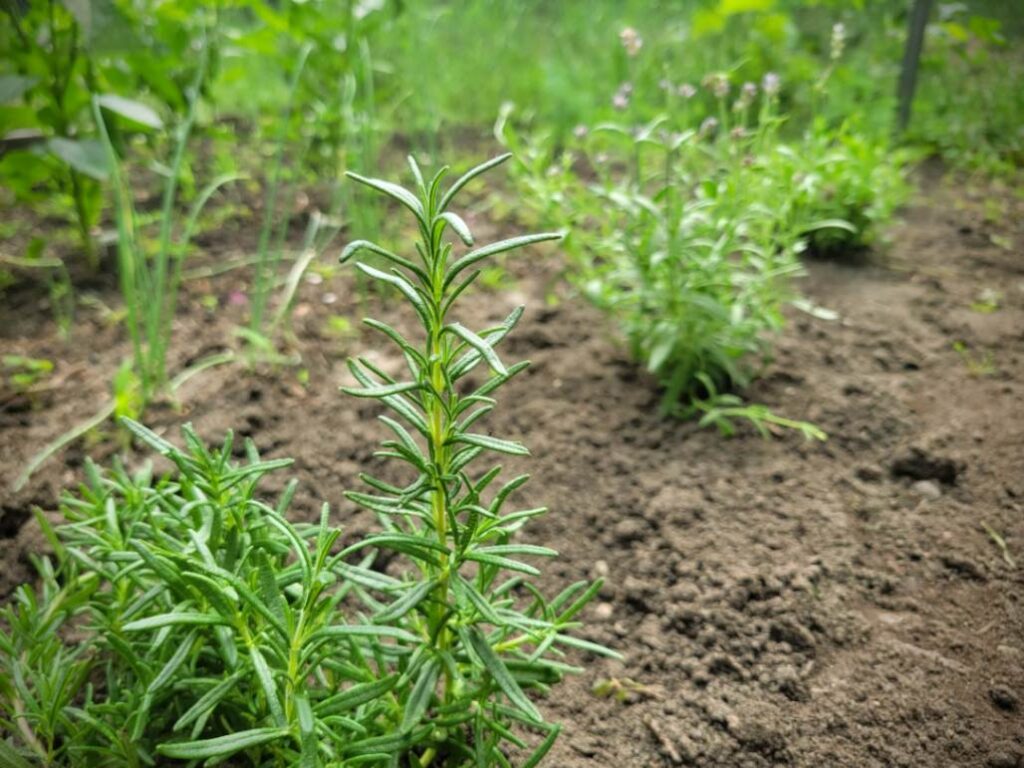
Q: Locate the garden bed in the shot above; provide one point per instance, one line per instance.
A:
(777, 601)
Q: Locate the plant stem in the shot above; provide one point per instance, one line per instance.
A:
(438, 434)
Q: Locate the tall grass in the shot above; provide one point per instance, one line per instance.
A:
(150, 282)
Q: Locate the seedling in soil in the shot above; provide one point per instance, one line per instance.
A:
(977, 364)
(25, 373)
(485, 631)
(186, 619)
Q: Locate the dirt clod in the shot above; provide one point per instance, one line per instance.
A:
(1004, 697)
(919, 464)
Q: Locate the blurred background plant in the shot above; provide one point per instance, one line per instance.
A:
(665, 129)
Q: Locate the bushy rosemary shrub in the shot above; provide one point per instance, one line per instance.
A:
(186, 619)
(681, 237)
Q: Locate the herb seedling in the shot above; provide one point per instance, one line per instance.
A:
(186, 619)
(486, 631)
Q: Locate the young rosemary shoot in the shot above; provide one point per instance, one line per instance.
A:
(486, 632)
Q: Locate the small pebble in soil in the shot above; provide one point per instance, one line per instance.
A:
(789, 631)
(927, 489)
(630, 529)
(869, 474)
(1004, 697)
(963, 567)
(1002, 759)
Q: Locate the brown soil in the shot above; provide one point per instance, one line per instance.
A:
(778, 602)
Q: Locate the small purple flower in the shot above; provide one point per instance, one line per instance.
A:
(747, 94)
(709, 126)
(621, 98)
(687, 91)
(718, 84)
(631, 41)
(237, 299)
(771, 84)
(838, 41)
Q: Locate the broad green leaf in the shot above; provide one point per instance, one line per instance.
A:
(221, 746)
(104, 27)
(86, 156)
(13, 86)
(135, 111)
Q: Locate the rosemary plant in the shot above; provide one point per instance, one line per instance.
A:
(486, 631)
(186, 619)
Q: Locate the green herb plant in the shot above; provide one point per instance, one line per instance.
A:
(185, 620)
(484, 641)
(25, 373)
(680, 242)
